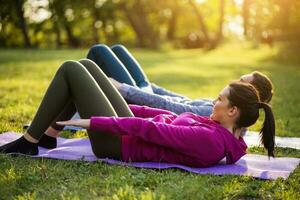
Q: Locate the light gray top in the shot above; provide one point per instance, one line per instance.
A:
(165, 99)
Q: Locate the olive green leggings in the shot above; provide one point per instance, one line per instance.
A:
(81, 86)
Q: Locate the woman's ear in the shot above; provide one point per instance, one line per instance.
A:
(233, 111)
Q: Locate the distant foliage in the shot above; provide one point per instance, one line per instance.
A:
(146, 23)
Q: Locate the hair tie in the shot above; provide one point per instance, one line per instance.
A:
(260, 105)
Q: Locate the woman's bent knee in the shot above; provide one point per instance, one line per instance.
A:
(67, 64)
(90, 65)
(70, 66)
(118, 47)
(86, 61)
(98, 48)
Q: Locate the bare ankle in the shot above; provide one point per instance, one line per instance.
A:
(29, 138)
(52, 132)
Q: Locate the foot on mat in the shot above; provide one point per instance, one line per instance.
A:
(47, 142)
(20, 145)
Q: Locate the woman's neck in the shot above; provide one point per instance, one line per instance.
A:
(232, 130)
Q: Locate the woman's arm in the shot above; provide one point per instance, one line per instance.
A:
(186, 139)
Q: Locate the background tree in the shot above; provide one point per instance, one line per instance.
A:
(172, 23)
(202, 23)
(146, 23)
(18, 4)
(245, 15)
(64, 12)
(136, 14)
(12, 17)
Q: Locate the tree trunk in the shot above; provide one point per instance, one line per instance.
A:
(257, 27)
(201, 21)
(22, 22)
(140, 37)
(95, 19)
(245, 14)
(285, 8)
(221, 21)
(144, 25)
(71, 38)
(138, 20)
(173, 21)
(58, 34)
(3, 34)
(95, 33)
(106, 35)
(58, 9)
(116, 34)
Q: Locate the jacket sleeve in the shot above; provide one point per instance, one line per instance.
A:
(145, 111)
(186, 139)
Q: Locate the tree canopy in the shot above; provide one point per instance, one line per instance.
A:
(145, 23)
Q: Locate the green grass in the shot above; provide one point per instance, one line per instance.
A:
(25, 74)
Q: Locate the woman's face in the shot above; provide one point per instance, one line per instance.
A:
(222, 107)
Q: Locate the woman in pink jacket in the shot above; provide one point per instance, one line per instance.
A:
(140, 133)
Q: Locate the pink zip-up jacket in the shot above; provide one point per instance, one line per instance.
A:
(162, 136)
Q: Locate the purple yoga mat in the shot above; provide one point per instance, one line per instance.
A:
(251, 165)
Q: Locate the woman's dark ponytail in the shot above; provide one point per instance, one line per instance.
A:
(245, 97)
(267, 132)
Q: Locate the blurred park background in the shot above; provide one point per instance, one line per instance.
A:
(170, 38)
(147, 23)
